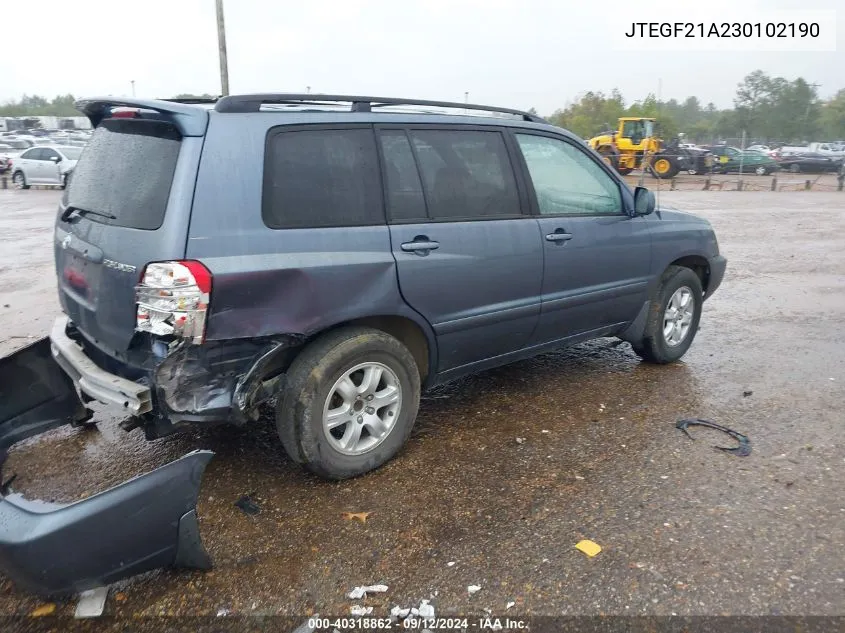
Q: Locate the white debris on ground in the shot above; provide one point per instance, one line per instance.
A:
(399, 613)
(425, 610)
(520, 440)
(361, 592)
(358, 610)
(222, 611)
(91, 603)
(473, 589)
(451, 563)
(509, 605)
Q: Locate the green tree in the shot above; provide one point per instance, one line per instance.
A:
(832, 117)
(34, 105)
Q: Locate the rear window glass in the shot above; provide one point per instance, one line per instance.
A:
(126, 171)
(321, 178)
(466, 174)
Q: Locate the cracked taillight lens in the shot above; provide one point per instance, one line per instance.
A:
(173, 300)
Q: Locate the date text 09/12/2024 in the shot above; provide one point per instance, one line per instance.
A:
(723, 30)
(420, 624)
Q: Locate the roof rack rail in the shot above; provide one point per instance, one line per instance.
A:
(253, 103)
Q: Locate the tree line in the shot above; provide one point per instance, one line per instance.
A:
(768, 109)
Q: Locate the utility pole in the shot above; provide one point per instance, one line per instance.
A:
(221, 44)
(133, 86)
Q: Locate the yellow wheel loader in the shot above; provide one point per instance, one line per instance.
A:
(634, 146)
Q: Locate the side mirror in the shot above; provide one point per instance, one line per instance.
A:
(644, 202)
(55, 159)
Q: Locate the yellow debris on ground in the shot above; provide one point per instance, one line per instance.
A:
(588, 547)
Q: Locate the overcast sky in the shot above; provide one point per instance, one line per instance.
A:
(536, 53)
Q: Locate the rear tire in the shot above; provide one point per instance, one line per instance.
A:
(669, 331)
(325, 401)
(795, 168)
(19, 180)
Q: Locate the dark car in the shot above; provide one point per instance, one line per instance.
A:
(810, 162)
(332, 261)
(732, 159)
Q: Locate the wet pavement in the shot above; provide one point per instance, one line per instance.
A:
(684, 528)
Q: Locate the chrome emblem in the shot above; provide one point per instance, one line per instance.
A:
(124, 268)
(66, 241)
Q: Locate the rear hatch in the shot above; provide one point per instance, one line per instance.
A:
(128, 204)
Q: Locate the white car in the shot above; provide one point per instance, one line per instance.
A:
(49, 165)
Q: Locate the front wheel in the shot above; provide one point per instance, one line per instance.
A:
(664, 167)
(349, 402)
(761, 171)
(673, 317)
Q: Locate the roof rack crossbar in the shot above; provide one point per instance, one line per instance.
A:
(253, 103)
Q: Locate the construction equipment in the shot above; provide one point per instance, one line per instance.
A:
(634, 145)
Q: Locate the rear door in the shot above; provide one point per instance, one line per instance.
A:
(597, 257)
(128, 204)
(28, 164)
(469, 260)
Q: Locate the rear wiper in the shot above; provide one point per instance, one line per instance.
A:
(70, 210)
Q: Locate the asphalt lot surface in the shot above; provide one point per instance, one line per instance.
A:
(684, 528)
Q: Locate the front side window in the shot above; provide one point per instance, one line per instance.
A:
(566, 180)
(467, 174)
(321, 178)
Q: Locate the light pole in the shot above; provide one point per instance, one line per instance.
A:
(133, 86)
(221, 44)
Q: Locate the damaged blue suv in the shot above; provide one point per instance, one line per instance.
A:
(331, 256)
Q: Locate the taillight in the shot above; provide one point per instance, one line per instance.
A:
(125, 114)
(173, 299)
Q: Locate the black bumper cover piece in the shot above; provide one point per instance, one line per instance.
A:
(142, 524)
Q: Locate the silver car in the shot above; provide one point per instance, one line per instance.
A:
(49, 165)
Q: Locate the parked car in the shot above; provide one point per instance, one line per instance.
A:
(733, 159)
(49, 165)
(4, 157)
(360, 257)
(811, 162)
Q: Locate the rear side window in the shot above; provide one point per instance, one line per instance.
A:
(127, 171)
(466, 174)
(321, 178)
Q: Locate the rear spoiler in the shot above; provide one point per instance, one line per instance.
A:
(191, 120)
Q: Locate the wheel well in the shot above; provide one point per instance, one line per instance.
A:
(406, 331)
(698, 265)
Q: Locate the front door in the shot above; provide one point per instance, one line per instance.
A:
(469, 260)
(49, 167)
(597, 256)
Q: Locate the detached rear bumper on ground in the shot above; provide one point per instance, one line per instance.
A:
(145, 523)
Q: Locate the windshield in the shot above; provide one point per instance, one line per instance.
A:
(126, 171)
(71, 153)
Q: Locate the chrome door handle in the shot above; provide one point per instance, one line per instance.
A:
(414, 247)
(559, 237)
